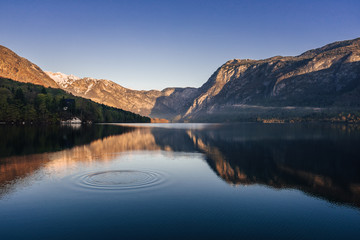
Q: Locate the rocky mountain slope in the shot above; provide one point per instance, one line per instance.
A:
(167, 103)
(321, 78)
(20, 69)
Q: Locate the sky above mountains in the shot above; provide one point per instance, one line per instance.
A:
(163, 43)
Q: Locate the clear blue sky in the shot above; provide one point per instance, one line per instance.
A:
(154, 44)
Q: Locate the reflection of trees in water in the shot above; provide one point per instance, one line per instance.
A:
(24, 140)
(28, 149)
(322, 161)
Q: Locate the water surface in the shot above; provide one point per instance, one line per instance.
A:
(180, 181)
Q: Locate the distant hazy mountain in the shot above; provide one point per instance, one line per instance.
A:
(20, 69)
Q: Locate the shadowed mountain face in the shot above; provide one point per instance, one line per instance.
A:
(20, 69)
(321, 160)
(318, 79)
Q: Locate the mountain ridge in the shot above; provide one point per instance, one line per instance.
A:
(112, 94)
(324, 74)
(322, 77)
(313, 82)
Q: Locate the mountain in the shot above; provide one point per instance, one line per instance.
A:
(327, 77)
(318, 84)
(320, 81)
(22, 70)
(24, 98)
(160, 104)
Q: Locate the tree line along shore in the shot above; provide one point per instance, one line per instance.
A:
(26, 103)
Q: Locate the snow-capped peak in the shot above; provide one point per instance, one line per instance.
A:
(61, 78)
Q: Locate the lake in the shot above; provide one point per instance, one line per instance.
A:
(180, 181)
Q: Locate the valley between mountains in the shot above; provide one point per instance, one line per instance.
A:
(322, 83)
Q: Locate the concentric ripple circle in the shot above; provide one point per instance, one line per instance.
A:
(121, 179)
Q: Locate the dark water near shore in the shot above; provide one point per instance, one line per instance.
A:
(180, 181)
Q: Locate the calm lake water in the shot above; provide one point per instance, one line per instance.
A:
(180, 181)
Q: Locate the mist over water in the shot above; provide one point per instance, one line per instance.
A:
(207, 181)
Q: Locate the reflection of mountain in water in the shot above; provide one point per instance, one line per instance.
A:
(327, 168)
(320, 160)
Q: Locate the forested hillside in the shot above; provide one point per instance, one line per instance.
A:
(25, 102)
